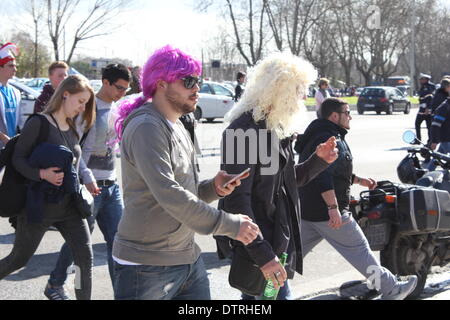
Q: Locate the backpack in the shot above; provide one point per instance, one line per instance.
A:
(13, 188)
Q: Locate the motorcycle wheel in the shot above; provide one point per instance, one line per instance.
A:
(402, 257)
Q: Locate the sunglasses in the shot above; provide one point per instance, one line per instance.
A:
(120, 88)
(190, 81)
(346, 112)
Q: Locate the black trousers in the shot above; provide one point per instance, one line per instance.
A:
(74, 230)
(419, 119)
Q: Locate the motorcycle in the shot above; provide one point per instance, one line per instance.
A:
(409, 222)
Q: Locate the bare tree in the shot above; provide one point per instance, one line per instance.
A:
(376, 50)
(302, 16)
(37, 12)
(93, 23)
(250, 42)
(339, 35)
(248, 20)
(276, 13)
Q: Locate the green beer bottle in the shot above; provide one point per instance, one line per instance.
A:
(270, 293)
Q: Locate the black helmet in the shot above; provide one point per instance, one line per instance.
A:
(406, 171)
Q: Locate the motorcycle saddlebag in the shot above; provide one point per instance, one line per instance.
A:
(424, 210)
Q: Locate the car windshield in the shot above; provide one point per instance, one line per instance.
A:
(205, 89)
(36, 83)
(371, 92)
(221, 90)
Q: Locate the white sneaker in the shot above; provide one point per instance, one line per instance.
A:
(401, 290)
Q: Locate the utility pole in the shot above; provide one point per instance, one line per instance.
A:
(412, 62)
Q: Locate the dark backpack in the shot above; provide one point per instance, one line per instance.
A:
(13, 188)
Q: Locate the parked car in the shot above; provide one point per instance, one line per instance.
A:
(29, 96)
(383, 99)
(37, 83)
(96, 85)
(404, 89)
(230, 85)
(214, 101)
(358, 91)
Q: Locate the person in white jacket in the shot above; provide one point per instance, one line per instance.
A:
(321, 94)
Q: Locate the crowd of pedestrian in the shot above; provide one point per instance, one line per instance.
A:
(149, 222)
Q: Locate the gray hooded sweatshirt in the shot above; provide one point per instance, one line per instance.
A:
(165, 204)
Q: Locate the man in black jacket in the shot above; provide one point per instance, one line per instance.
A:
(425, 98)
(259, 138)
(441, 95)
(440, 131)
(325, 201)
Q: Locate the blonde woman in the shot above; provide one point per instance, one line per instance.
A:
(270, 110)
(73, 96)
(322, 94)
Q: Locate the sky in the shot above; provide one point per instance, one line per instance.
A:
(145, 26)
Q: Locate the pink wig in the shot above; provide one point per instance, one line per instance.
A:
(167, 64)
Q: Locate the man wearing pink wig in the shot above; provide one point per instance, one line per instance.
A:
(165, 203)
(9, 96)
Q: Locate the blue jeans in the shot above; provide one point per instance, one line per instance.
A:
(444, 147)
(108, 207)
(283, 294)
(182, 282)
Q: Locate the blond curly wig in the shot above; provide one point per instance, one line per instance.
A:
(274, 92)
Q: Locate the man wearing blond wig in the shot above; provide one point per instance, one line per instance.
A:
(264, 120)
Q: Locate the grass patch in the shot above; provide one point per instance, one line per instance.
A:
(349, 100)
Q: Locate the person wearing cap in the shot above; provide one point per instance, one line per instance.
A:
(425, 98)
(9, 96)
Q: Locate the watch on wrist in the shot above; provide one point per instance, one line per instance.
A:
(332, 206)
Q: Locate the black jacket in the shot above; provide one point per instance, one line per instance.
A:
(188, 121)
(271, 200)
(47, 155)
(438, 99)
(440, 127)
(426, 96)
(238, 91)
(44, 98)
(337, 177)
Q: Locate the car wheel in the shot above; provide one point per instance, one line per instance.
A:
(378, 112)
(198, 113)
(210, 119)
(390, 109)
(407, 108)
(360, 110)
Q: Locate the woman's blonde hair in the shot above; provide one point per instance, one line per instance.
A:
(73, 84)
(274, 92)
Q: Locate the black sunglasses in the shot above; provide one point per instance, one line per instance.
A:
(190, 81)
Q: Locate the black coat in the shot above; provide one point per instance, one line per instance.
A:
(47, 155)
(440, 127)
(439, 97)
(271, 200)
(426, 96)
(188, 121)
(337, 177)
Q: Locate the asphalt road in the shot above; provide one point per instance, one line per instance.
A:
(374, 140)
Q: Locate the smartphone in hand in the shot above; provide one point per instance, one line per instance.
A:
(240, 175)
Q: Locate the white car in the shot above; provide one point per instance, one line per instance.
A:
(28, 99)
(96, 85)
(214, 101)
